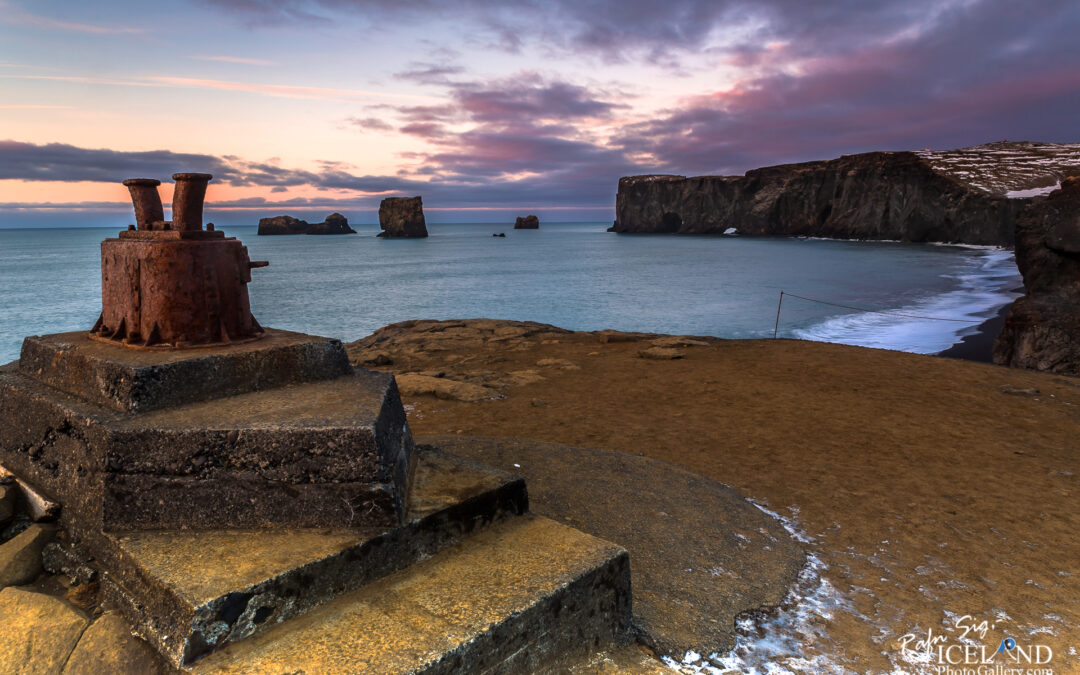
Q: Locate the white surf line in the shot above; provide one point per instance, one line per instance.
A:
(781, 642)
(984, 284)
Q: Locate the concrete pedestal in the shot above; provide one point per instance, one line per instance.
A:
(278, 433)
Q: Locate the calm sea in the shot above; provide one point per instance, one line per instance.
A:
(573, 275)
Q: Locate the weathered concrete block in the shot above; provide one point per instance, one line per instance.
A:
(327, 450)
(187, 608)
(510, 599)
(136, 380)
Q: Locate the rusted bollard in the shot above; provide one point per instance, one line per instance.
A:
(147, 201)
(187, 202)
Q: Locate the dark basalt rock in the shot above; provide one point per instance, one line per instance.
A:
(402, 217)
(529, 222)
(282, 225)
(876, 195)
(1042, 330)
(335, 223)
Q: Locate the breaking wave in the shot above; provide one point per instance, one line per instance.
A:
(987, 283)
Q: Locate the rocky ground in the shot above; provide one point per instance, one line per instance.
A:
(54, 623)
(928, 489)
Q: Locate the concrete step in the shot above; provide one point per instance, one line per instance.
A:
(510, 599)
(189, 592)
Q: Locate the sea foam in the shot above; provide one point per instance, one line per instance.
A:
(984, 285)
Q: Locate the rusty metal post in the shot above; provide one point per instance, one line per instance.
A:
(173, 287)
(147, 201)
(187, 202)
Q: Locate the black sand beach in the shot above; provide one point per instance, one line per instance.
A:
(979, 346)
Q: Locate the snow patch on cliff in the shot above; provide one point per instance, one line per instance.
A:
(1012, 169)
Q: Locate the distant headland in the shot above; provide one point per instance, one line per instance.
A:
(967, 196)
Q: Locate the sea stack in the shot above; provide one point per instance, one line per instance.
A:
(529, 222)
(335, 223)
(1042, 329)
(402, 217)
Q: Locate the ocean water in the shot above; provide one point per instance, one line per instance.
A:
(573, 275)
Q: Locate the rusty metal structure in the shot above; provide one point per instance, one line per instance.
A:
(174, 284)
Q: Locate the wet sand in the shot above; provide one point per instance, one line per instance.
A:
(979, 346)
(930, 488)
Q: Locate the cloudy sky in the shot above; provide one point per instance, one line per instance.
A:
(491, 106)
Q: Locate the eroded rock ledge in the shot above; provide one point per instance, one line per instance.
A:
(876, 195)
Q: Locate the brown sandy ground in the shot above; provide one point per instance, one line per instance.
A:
(930, 488)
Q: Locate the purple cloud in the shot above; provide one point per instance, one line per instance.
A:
(819, 79)
(370, 123)
(971, 77)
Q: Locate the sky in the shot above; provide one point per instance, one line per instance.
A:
(494, 108)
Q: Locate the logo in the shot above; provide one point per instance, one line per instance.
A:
(971, 652)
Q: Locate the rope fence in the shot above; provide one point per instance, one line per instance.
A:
(860, 309)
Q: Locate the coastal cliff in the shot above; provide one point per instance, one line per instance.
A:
(1042, 329)
(876, 195)
(335, 223)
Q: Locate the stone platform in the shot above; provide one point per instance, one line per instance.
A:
(191, 592)
(135, 380)
(512, 599)
(276, 433)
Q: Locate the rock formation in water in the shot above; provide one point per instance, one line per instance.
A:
(282, 225)
(1042, 329)
(335, 223)
(402, 217)
(876, 195)
(529, 222)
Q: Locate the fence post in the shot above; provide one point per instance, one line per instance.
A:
(777, 326)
